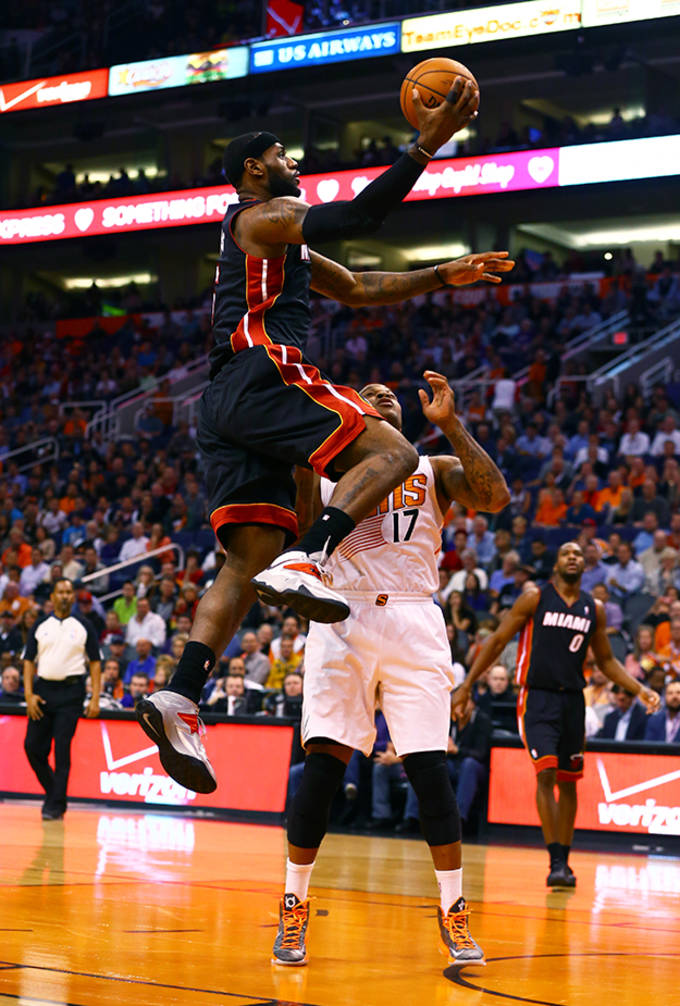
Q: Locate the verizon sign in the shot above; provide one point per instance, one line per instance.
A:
(112, 760)
(49, 91)
(621, 792)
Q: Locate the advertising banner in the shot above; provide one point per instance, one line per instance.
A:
(620, 792)
(462, 176)
(49, 91)
(488, 24)
(113, 760)
(176, 71)
(325, 47)
(597, 12)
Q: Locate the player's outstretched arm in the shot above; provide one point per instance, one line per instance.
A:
(613, 668)
(471, 478)
(363, 289)
(522, 610)
(286, 220)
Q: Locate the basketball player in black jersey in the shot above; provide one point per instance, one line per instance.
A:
(556, 626)
(268, 408)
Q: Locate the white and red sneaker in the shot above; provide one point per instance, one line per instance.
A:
(297, 581)
(171, 721)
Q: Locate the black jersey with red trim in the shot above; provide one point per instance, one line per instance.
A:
(257, 301)
(554, 643)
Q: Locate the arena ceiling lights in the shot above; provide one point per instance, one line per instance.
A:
(554, 167)
(581, 235)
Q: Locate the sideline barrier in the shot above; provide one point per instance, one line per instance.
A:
(630, 787)
(113, 761)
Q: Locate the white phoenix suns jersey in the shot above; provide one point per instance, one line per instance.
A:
(396, 548)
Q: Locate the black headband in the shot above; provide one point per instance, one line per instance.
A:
(241, 148)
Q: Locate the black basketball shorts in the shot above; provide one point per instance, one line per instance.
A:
(552, 726)
(266, 410)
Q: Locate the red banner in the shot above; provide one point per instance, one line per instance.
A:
(460, 177)
(284, 18)
(114, 760)
(47, 91)
(620, 792)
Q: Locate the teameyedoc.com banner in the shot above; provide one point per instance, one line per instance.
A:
(466, 176)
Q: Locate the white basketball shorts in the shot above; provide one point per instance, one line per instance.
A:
(398, 656)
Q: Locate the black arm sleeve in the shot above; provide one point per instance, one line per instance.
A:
(365, 213)
(31, 648)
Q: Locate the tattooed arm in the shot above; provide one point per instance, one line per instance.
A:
(471, 478)
(365, 288)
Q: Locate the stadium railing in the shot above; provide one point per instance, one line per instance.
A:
(128, 564)
(47, 449)
(656, 358)
(121, 411)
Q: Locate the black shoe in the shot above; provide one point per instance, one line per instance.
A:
(559, 877)
(409, 826)
(571, 876)
(52, 815)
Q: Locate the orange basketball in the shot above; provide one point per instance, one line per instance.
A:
(434, 79)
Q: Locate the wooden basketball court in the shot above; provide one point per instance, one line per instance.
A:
(111, 907)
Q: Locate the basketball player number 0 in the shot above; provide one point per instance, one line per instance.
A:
(413, 517)
(575, 644)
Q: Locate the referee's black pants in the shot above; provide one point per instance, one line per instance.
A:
(60, 713)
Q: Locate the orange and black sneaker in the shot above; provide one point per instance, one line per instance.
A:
(296, 580)
(289, 945)
(456, 937)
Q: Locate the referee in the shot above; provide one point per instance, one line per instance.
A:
(58, 648)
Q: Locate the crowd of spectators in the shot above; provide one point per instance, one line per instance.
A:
(606, 475)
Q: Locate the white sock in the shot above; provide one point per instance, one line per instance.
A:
(450, 883)
(297, 879)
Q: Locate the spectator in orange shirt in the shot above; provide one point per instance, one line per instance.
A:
(669, 655)
(636, 474)
(610, 496)
(552, 509)
(662, 612)
(18, 552)
(536, 377)
(67, 503)
(14, 602)
(157, 539)
(76, 424)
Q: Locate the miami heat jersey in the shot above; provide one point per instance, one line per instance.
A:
(553, 644)
(395, 549)
(257, 301)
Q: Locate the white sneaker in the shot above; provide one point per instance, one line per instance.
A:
(295, 580)
(171, 721)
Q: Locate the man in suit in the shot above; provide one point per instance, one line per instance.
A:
(627, 721)
(665, 725)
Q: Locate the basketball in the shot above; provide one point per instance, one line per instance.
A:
(434, 79)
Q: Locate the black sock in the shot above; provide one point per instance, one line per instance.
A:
(565, 852)
(193, 670)
(555, 851)
(327, 532)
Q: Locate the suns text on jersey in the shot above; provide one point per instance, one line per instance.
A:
(413, 492)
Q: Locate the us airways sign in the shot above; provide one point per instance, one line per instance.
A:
(620, 792)
(325, 47)
(112, 761)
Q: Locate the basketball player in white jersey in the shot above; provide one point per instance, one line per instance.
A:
(393, 647)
